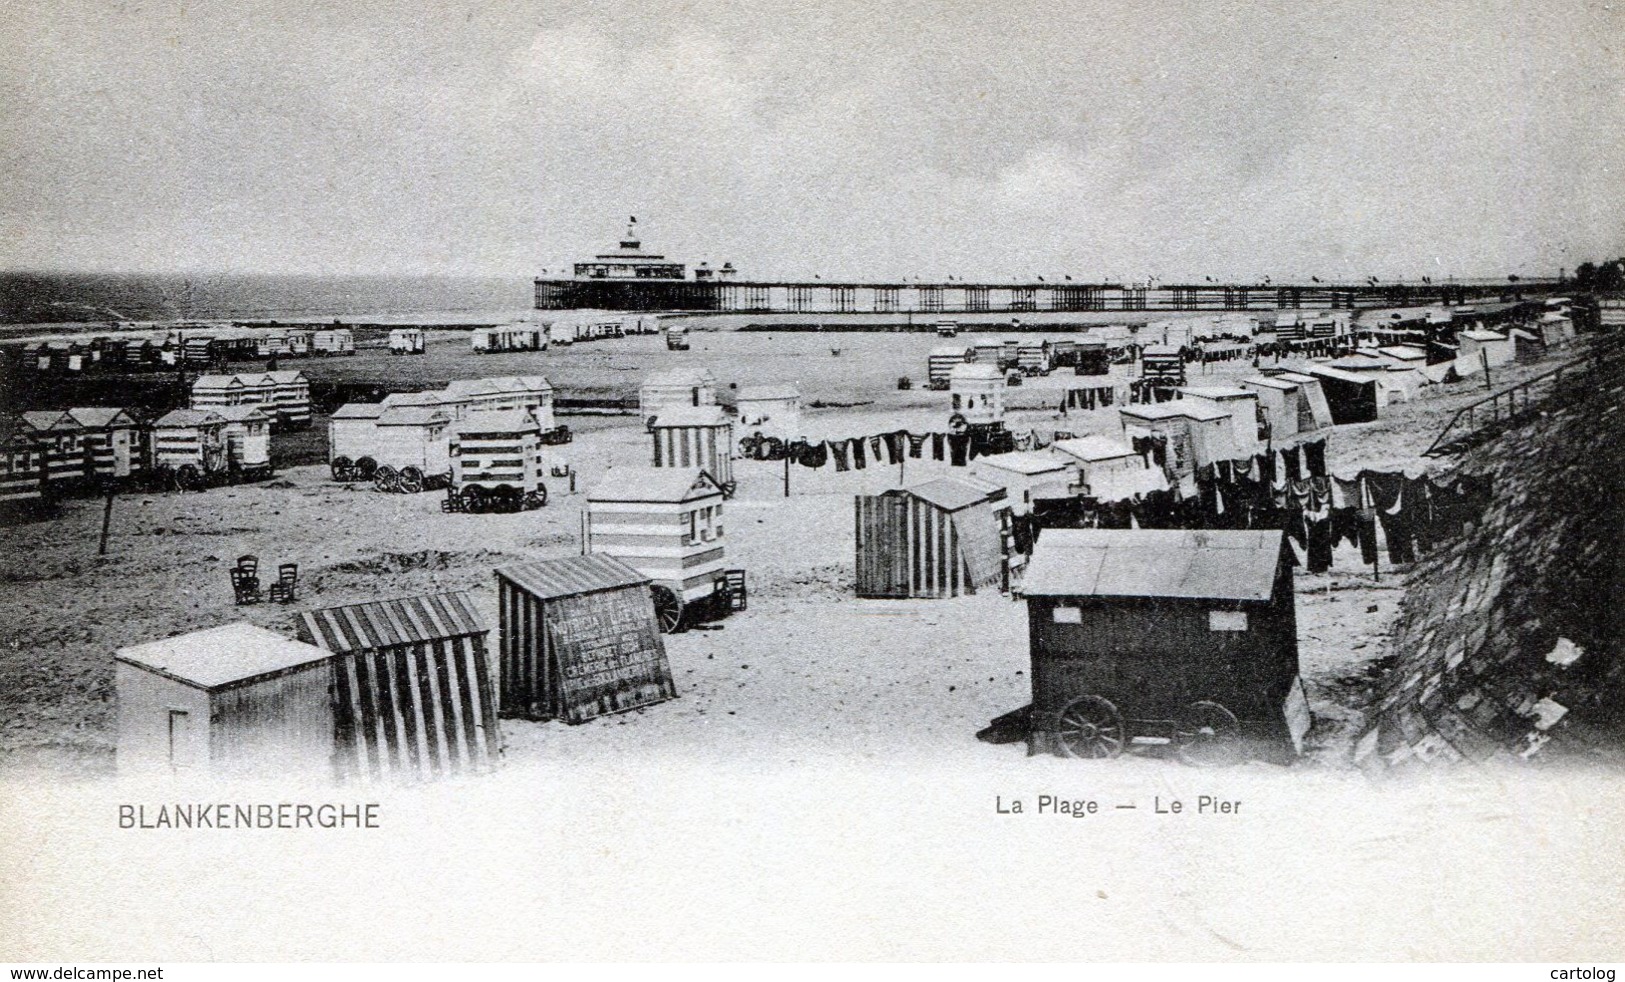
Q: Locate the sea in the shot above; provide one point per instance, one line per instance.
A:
(103, 299)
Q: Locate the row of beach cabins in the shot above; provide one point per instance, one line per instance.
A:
(199, 347)
(532, 336)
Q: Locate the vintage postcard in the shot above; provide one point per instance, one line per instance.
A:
(554, 481)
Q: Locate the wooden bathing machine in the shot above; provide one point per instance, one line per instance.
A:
(666, 523)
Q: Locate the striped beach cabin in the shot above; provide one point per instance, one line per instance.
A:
(943, 359)
(299, 343)
(248, 438)
(491, 449)
(190, 437)
(414, 694)
(56, 436)
(271, 344)
(695, 436)
(666, 523)
(289, 407)
(944, 538)
(976, 392)
(241, 389)
(22, 467)
(528, 393)
(579, 640)
(115, 438)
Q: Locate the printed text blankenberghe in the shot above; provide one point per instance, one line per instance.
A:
(257, 815)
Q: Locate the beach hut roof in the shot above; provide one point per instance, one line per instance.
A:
(1094, 448)
(188, 417)
(433, 397)
(659, 485)
(1026, 462)
(1153, 563)
(572, 576)
(221, 656)
(692, 416)
(101, 417)
(1156, 410)
(413, 416)
(283, 377)
(217, 381)
(45, 420)
(1268, 382)
(1359, 363)
(1406, 352)
(360, 410)
(1326, 371)
(1217, 392)
(1162, 350)
(951, 350)
(389, 623)
(954, 493)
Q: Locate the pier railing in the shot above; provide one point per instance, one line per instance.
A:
(1484, 418)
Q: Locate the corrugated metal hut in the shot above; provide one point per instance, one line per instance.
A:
(414, 694)
(942, 360)
(236, 700)
(248, 438)
(942, 538)
(676, 387)
(579, 640)
(666, 523)
(976, 392)
(774, 410)
(1240, 405)
(1353, 397)
(695, 436)
(190, 438)
(1025, 474)
(1132, 631)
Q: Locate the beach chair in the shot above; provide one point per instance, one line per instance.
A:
(245, 587)
(285, 589)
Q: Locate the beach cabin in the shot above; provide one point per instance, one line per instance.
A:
(1289, 326)
(1354, 397)
(1284, 406)
(676, 387)
(1093, 357)
(514, 393)
(22, 467)
(1033, 356)
(248, 439)
(943, 359)
(976, 392)
(299, 343)
(666, 523)
(1314, 412)
(988, 351)
(232, 701)
(1194, 435)
(695, 436)
(563, 334)
(676, 337)
(194, 438)
(773, 410)
(56, 436)
(332, 341)
(413, 690)
(1238, 404)
(1188, 638)
(351, 432)
(289, 404)
(1555, 328)
(1162, 365)
(210, 391)
(406, 341)
(497, 454)
(1477, 350)
(1110, 469)
(272, 344)
(1025, 474)
(946, 537)
(579, 640)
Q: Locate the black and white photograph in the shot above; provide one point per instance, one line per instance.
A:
(567, 481)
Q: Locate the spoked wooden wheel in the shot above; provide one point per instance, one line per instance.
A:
(188, 478)
(341, 468)
(365, 467)
(1209, 735)
(386, 479)
(668, 609)
(474, 500)
(1091, 727)
(537, 498)
(411, 480)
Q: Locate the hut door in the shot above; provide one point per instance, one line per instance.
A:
(882, 546)
(182, 751)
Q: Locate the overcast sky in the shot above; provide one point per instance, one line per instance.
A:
(986, 140)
